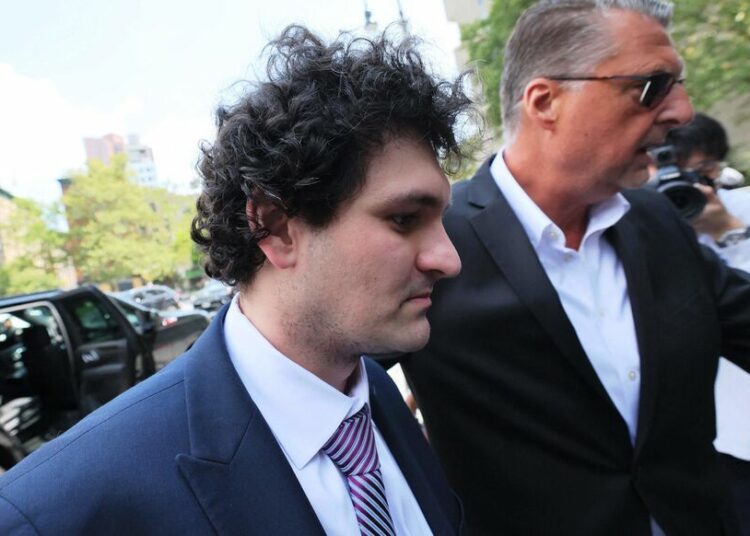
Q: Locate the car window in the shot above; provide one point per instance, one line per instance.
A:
(94, 322)
(135, 316)
(131, 314)
(26, 337)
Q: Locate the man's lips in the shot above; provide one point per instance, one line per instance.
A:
(423, 298)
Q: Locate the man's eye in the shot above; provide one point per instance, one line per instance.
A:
(404, 220)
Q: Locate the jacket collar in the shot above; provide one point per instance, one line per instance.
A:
(397, 428)
(625, 238)
(505, 239)
(233, 452)
(515, 256)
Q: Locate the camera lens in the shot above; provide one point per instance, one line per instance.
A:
(688, 199)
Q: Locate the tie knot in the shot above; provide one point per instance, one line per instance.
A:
(352, 445)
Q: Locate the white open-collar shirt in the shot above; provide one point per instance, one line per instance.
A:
(592, 288)
(303, 412)
(593, 291)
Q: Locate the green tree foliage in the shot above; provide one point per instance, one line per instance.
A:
(713, 37)
(38, 248)
(23, 275)
(119, 229)
(484, 41)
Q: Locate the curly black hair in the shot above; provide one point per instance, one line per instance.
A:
(303, 139)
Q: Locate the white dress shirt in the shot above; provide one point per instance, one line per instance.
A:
(592, 288)
(303, 412)
(593, 291)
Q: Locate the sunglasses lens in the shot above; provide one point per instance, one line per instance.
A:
(657, 87)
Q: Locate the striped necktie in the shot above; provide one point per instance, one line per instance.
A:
(352, 449)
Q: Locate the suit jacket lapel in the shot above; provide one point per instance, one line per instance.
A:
(397, 442)
(235, 468)
(503, 236)
(624, 239)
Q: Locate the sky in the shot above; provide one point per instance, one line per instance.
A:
(157, 68)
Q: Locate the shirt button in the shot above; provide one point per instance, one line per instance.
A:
(632, 375)
(552, 234)
(567, 257)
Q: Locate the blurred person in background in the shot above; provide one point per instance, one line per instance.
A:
(702, 146)
(322, 200)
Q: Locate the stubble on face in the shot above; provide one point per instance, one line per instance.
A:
(308, 321)
(337, 317)
(361, 288)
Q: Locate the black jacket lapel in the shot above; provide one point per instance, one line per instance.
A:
(503, 236)
(623, 237)
(390, 416)
(235, 468)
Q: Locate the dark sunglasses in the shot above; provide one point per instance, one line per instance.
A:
(656, 86)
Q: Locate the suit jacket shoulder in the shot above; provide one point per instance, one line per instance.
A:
(176, 453)
(517, 413)
(112, 473)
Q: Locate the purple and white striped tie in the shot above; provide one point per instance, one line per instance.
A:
(352, 449)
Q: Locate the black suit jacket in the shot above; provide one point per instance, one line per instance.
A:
(527, 434)
(188, 452)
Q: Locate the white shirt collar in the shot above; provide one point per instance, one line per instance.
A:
(536, 223)
(302, 410)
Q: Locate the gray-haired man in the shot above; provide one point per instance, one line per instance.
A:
(568, 383)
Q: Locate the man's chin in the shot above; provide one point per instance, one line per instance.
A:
(407, 341)
(636, 177)
(417, 338)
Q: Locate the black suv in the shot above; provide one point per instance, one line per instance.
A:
(65, 353)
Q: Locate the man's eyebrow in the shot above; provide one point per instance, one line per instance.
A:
(414, 198)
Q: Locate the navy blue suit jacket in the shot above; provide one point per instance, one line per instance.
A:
(188, 452)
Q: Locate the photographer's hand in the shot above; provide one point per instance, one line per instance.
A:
(715, 220)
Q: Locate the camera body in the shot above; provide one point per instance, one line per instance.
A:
(678, 184)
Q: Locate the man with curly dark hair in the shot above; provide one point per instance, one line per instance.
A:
(322, 201)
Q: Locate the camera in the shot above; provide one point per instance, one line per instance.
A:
(678, 184)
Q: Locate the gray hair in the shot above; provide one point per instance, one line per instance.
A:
(562, 37)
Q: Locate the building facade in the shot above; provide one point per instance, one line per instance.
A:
(104, 148)
(141, 161)
(140, 156)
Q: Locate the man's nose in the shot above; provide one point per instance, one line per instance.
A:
(440, 256)
(676, 110)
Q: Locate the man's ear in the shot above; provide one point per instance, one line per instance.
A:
(541, 101)
(279, 245)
